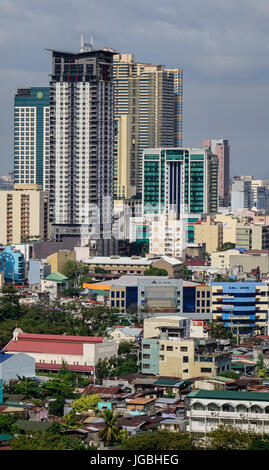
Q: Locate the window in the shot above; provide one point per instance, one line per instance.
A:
(183, 348)
(206, 369)
(146, 356)
(145, 366)
(185, 358)
(146, 346)
(169, 348)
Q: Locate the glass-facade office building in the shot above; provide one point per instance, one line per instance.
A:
(32, 136)
(182, 180)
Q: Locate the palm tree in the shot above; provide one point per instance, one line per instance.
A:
(111, 432)
(69, 421)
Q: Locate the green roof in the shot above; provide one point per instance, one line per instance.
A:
(99, 292)
(56, 277)
(25, 425)
(168, 382)
(240, 365)
(229, 395)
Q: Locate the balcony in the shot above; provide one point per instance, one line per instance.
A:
(227, 414)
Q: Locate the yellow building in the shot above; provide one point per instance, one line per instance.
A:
(209, 232)
(58, 260)
(229, 222)
(222, 259)
(152, 325)
(24, 214)
(186, 359)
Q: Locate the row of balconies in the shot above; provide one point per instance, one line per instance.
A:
(226, 414)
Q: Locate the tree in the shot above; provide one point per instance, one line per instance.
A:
(7, 423)
(260, 362)
(70, 269)
(127, 347)
(259, 442)
(10, 303)
(70, 421)
(228, 438)
(153, 271)
(218, 331)
(262, 373)
(56, 407)
(186, 273)
(45, 441)
(161, 440)
(228, 246)
(38, 441)
(111, 431)
(85, 403)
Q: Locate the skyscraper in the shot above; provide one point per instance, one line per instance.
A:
(221, 148)
(81, 165)
(31, 136)
(148, 113)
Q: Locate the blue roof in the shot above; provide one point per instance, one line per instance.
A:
(4, 357)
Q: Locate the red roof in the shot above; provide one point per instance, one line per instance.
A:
(51, 344)
(65, 338)
(72, 367)
(195, 262)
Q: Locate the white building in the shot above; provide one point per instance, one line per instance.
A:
(208, 409)
(79, 353)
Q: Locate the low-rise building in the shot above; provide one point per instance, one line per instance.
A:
(12, 265)
(125, 333)
(54, 283)
(14, 365)
(241, 306)
(79, 353)
(206, 410)
(170, 354)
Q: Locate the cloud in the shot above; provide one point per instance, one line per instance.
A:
(221, 46)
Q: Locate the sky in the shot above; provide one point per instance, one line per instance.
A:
(223, 48)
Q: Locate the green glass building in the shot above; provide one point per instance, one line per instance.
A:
(180, 179)
(32, 136)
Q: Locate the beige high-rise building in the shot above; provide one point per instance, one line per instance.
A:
(23, 214)
(147, 113)
(209, 232)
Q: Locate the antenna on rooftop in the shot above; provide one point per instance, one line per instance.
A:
(86, 46)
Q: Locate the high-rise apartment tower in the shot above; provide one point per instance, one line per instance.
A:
(148, 114)
(81, 144)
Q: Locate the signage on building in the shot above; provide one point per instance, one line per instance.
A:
(169, 415)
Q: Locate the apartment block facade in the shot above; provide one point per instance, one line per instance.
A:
(32, 136)
(221, 148)
(206, 410)
(241, 306)
(210, 233)
(24, 214)
(81, 144)
(148, 113)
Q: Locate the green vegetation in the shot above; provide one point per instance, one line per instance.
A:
(85, 403)
(161, 440)
(111, 432)
(152, 271)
